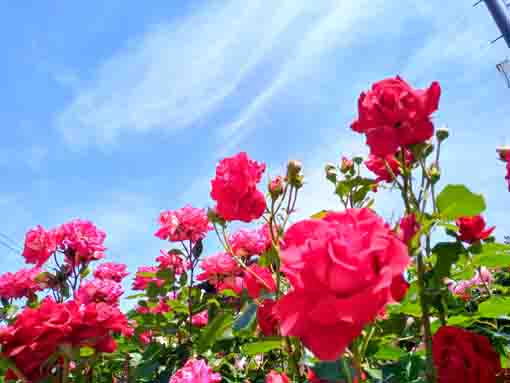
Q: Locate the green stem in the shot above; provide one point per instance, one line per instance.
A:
(430, 373)
(347, 370)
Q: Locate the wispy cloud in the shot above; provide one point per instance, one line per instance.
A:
(176, 73)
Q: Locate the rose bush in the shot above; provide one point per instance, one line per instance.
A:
(342, 296)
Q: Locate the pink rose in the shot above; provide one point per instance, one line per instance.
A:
(341, 270)
(276, 377)
(185, 224)
(195, 371)
(408, 227)
(109, 270)
(258, 278)
(39, 245)
(201, 319)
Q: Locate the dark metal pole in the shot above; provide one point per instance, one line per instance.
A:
(501, 16)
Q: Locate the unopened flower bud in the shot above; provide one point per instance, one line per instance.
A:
(442, 133)
(434, 173)
(503, 153)
(330, 172)
(346, 165)
(358, 160)
(276, 187)
(294, 176)
(213, 217)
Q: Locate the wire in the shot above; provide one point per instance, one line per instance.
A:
(6, 245)
(9, 239)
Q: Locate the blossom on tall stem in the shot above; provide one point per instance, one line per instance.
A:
(392, 115)
(40, 244)
(341, 269)
(408, 227)
(248, 242)
(472, 229)
(184, 224)
(81, 241)
(172, 261)
(234, 188)
(99, 290)
(110, 270)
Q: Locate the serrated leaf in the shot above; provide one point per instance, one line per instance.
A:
(261, 347)
(457, 201)
(494, 307)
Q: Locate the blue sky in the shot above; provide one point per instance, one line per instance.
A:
(113, 111)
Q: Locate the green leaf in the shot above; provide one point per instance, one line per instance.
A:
(246, 318)
(494, 307)
(493, 255)
(214, 330)
(146, 274)
(332, 371)
(319, 215)
(447, 254)
(389, 352)
(461, 320)
(457, 201)
(86, 351)
(261, 347)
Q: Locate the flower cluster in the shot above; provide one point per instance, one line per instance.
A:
(462, 289)
(195, 371)
(110, 270)
(21, 284)
(80, 240)
(173, 261)
(185, 224)
(245, 242)
(235, 189)
(341, 269)
(393, 115)
(100, 290)
(38, 333)
(223, 272)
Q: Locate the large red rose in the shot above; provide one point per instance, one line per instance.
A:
(35, 336)
(235, 188)
(472, 229)
(393, 114)
(341, 269)
(463, 356)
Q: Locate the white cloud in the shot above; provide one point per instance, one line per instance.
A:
(175, 74)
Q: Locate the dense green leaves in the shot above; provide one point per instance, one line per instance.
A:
(494, 307)
(492, 255)
(458, 201)
(214, 330)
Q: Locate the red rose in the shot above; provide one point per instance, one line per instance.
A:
(377, 165)
(258, 278)
(35, 336)
(472, 229)
(266, 317)
(235, 188)
(408, 227)
(392, 115)
(463, 356)
(341, 269)
(399, 287)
